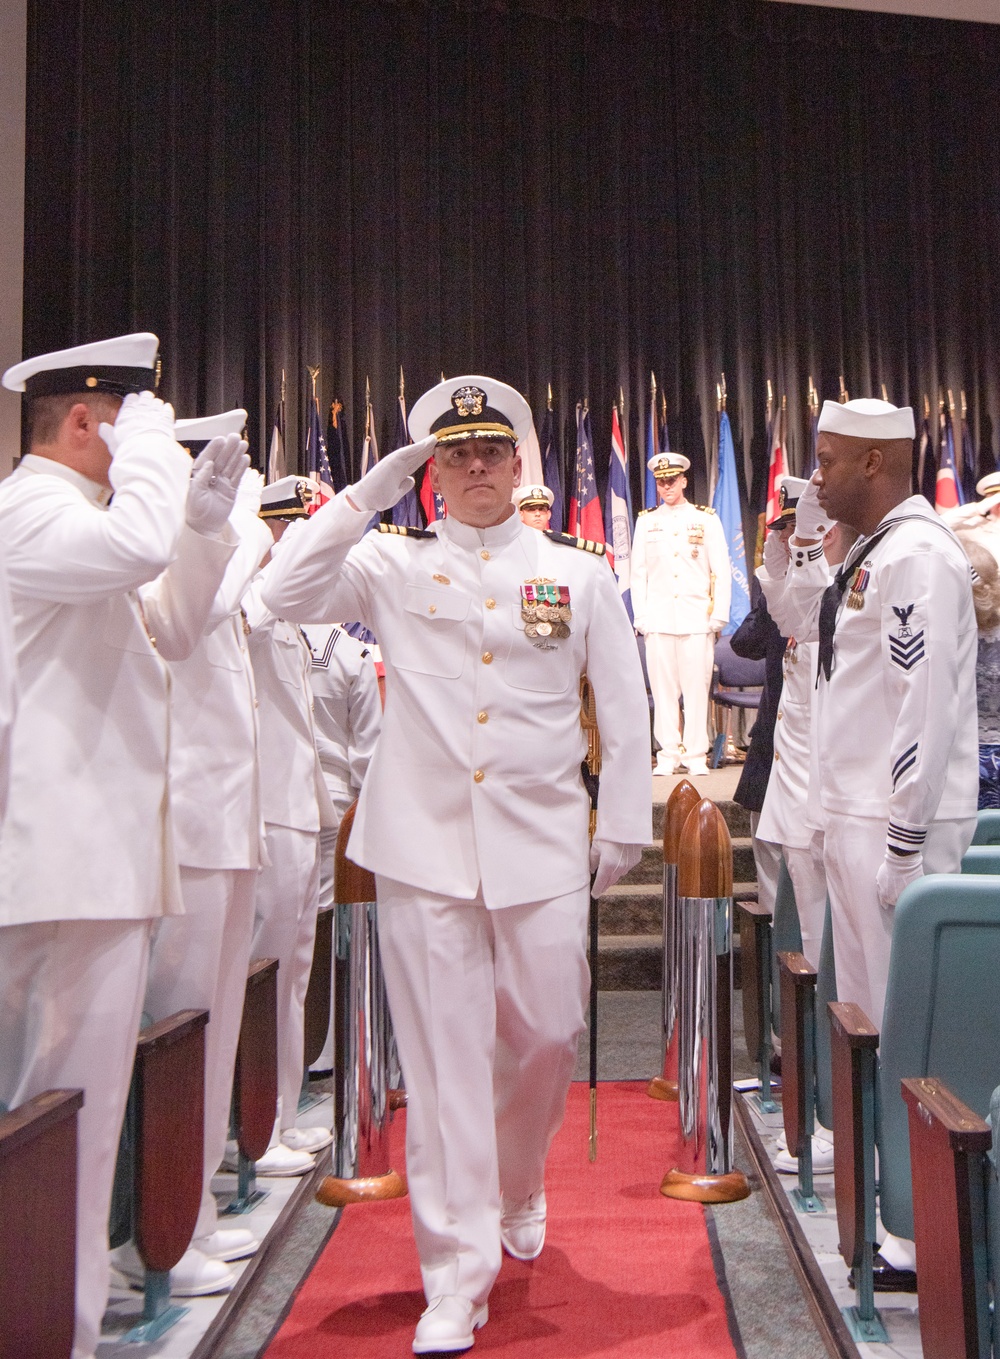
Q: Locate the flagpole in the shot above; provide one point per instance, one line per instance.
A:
(845, 395)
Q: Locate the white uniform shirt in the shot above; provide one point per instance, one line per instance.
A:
(346, 706)
(8, 687)
(681, 578)
(87, 835)
(783, 817)
(896, 724)
(476, 776)
(214, 774)
(292, 790)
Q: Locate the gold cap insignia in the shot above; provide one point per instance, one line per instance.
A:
(468, 401)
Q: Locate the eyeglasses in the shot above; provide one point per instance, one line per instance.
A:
(462, 455)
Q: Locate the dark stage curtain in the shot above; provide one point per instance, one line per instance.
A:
(542, 191)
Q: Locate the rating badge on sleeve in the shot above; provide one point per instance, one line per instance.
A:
(545, 609)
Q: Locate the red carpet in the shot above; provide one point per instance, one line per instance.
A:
(624, 1272)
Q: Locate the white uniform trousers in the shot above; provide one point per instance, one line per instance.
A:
(285, 928)
(767, 860)
(72, 1000)
(680, 666)
(199, 961)
(853, 849)
(487, 1008)
(805, 868)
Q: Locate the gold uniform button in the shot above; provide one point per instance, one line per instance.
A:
(485, 555)
(479, 776)
(487, 657)
(491, 603)
(780, 716)
(483, 717)
(432, 608)
(777, 755)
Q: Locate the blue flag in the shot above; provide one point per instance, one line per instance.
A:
(405, 512)
(653, 446)
(970, 462)
(585, 518)
(552, 472)
(726, 503)
(336, 444)
(618, 515)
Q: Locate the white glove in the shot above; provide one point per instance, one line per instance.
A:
(811, 520)
(776, 555)
(390, 479)
(215, 479)
(250, 490)
(715, 626)
(895, 873)
(139, 413)
(610, 861)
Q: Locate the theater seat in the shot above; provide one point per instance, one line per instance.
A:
(987, 828)
(736, 683)
(981, 859)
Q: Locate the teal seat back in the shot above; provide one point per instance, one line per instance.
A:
(942, 1014)
(987, 827)
(981, 859)
(993, 1213)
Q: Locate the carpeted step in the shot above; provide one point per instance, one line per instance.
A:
(631, 908)
(634, 962)
(649, 869)
(737, 818)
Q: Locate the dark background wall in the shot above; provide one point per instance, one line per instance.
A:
(541, 190)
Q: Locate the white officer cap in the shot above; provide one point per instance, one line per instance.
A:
(666, 466)
(290, 498)
(789, 490)
(988, 485)
(119, 366)
(530, 497)
(867, 418)
(471, 408)
(195, 434)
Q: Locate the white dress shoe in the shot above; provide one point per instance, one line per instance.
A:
(194, 1275)
(522, 1226)
(447, 1324)
(696, 768)
(307, 1139)
(227, 1243)
(822, 1158)
(278, 1160)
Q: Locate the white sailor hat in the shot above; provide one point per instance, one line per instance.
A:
(989, 484)
(533, 497)
(867, 418)
(789, 490)
(471, 408)
(195, 434)
(289, 498)
(667, 466)
(119, 366)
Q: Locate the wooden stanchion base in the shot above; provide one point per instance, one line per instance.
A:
(397, 1100)
(705, 1188)
(338, 1193)
(658, 1088)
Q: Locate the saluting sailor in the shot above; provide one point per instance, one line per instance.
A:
(86, 857)
(895, 720)
(474, 817)
(534, 505)
(681, 586)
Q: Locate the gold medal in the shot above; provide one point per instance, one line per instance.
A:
(531, 629)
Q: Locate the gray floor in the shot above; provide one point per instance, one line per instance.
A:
(770, 1310)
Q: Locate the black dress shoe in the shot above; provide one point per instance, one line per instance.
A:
(887, 1279)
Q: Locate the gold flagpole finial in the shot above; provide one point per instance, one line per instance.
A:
(443, 378)
(368, 391)
(845, 395)
(885, 392)
(621, 402)
(314, 374)
(282, 384)
(965, 409)
(813, 396)
(951, 401)
(927, 407)
(652, 383)
(548, 398)
(402, 384)
(720, 392)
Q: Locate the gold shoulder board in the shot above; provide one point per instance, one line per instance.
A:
(404, 532)
(584, 544)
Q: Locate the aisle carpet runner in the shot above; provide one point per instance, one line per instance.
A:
(624, 1272)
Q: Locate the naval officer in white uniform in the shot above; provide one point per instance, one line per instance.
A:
(534, 504)
(681, 586)
(474, 817)
(86, 862)
(895, 720)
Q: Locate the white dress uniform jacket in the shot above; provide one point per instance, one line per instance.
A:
(897, 740)
(681, 578)
(8, 687)
(346, 706)
(88, 829)
(476, 777)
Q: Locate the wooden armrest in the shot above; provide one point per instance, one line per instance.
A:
(798, 1047)
(36, 1116)
(172, 1029)
(800, 972)
(851, 1022)
(260, 970)
(933, 1102)
(755, 909)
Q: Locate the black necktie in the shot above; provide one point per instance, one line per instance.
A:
(834, 593)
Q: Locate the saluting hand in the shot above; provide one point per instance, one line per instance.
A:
(215, 479)
(389, 480)
(811, 520)
(140, 413)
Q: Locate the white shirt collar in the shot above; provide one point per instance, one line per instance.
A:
(99, 495)
(467, 536)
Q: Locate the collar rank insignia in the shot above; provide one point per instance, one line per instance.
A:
(545, 609)
(468, 401)
(859, 584)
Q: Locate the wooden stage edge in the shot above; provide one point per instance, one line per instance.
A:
(231, 1312)
(825, 1312)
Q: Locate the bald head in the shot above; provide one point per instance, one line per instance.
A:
(861, 480)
